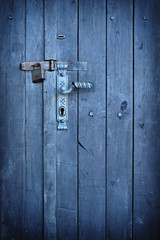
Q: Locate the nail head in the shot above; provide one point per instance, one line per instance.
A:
(119, 115)
(145, 18)
(10, 17)
(90, 114)
(112, 18)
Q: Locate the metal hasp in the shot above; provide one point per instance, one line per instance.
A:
(38, 75)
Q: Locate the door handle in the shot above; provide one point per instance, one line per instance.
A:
(75, 85)
(38, 75)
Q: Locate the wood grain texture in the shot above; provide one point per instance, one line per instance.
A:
(79, 184)
(50, 123)
(119, 130)
(147, 118)
(12, 119)
(67, 140)
(92, 49)
(34, 164)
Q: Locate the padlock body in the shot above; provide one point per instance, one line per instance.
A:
(37, 75)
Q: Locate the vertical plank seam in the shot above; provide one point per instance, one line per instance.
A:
(77, 123)
(43, 180)
(133, 130)
(25, 177)
(56, 136)
(106, 138)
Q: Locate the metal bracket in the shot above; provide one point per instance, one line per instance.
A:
(38, 75)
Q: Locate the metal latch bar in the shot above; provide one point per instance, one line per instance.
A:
(52, 65)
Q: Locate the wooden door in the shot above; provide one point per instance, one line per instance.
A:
(100, 179)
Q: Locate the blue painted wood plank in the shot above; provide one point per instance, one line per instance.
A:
(12, 119)
(67, 140)
(147, 118)
(34, 164)
(92, 49)
(50, 128)
(119, 118)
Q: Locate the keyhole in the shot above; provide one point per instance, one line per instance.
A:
(62, 112)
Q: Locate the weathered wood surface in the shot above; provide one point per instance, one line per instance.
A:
(147, 120)
(119, 129)
(49, 131)
(100, 178)
(92, 49)
(12, 119)
(33, 138)
(67, 140)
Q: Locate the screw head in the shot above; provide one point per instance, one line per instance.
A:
(112, 18)
(62, 89)
(119, 115)
(10, 17)
(145, 18)
(90, 114)
(61, 74)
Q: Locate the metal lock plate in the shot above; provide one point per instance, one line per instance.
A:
(62, 100)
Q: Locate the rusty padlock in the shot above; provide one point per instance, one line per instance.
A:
(38, 73)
